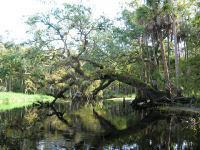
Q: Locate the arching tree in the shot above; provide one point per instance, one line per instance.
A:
(90, 56)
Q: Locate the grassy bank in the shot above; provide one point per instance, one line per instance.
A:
(10, 100)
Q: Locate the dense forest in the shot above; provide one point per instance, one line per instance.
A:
(153, 52)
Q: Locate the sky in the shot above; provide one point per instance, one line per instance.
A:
(13, 13)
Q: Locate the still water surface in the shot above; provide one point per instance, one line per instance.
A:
(72, 127)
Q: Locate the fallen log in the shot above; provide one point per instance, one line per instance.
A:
(184, 100)
(146, 103)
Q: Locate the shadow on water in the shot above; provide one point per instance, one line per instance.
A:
(111, 126)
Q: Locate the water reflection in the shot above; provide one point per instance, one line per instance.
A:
(72, 127)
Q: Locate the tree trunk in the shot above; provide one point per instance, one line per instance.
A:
(165, 66)
(176, 50)
(168, 47)
(146, 91)
(10, 83)
(185, 48)
(154, 51)
(7, 85)
(102, 86)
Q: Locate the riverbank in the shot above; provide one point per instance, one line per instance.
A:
(10, 100)
(177, 108)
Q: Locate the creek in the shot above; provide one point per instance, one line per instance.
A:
(107, 126)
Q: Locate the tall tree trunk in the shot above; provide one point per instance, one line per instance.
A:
(165, 66)
(154, 67)
(176, 51)
(154, 51)
(143, 70)
(168, 49)
(7, 85)
(185, 48)
(22, 85)
(187, 51)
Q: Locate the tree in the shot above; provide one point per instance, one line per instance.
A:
(88, 50)
(156, 25)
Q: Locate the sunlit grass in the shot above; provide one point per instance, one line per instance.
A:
(10, 100)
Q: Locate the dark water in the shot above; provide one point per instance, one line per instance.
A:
(72, 127)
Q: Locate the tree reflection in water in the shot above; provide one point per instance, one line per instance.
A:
(67, 126)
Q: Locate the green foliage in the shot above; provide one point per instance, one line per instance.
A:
(190, 79)
(143, 14)
(11, 63)
(30, 87)
(160, 78)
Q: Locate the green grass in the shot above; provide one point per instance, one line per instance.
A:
(10, 100)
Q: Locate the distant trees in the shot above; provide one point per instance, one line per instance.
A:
(22, 69)
(10, 66)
